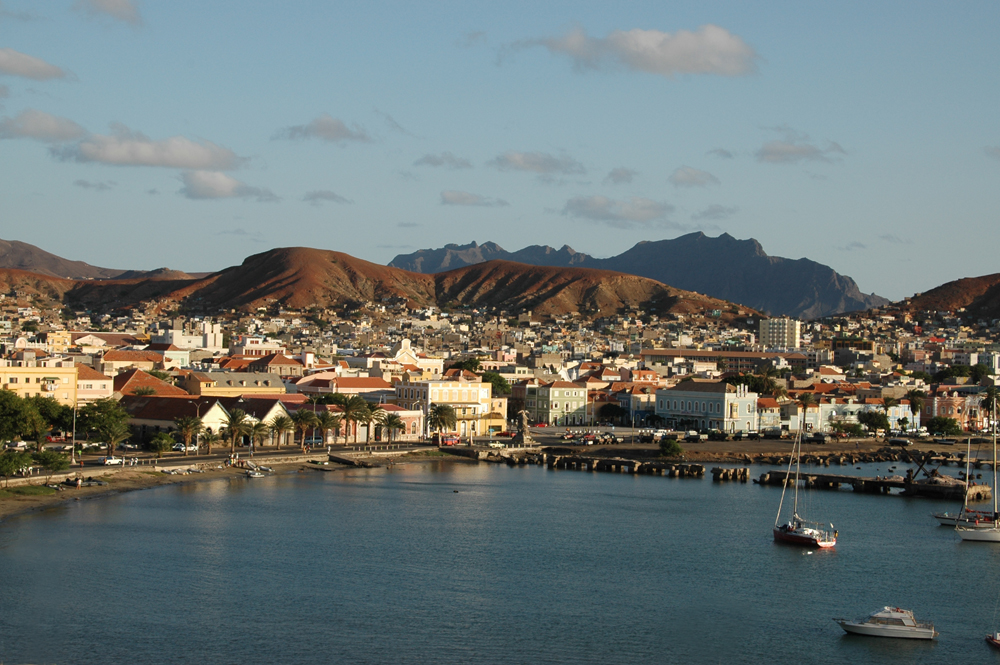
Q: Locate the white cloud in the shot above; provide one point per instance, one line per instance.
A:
(687, 176)
(537, 162)
(714, 212)
(318, 196)
(127, 148)
(123, 10)
(623, 214)
(41, 126)
(218, 185)
(708, 50)
(453, 198)
(445, 159)
(15, 63)
(620, 176)
(993, 151)
(327, 128)
(852, 246)
(17, 16)
(721, 152)
(895, 240)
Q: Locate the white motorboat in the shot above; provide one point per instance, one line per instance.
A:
(254, 474)
(975, 519)
(890, 622)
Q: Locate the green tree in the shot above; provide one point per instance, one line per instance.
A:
(873, 420)
(613, 412)
(35, 426)
(441, 417)
(670, 448)
(355, 409)
(161, 443)
(978, 372)
(258, 432)
(943, 425)
(374, 416)
(189, 427)
(208, 439)
(500, 384)
(470, 364)
(280, 426)
(51, 461)
(102, 417)
(12, 416)
(161, 375)
(143, 391)
(11, 462)
(57, 415)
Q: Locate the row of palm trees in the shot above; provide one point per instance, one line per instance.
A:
(238, 424)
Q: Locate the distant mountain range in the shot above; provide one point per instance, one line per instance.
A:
(723, 267)
(301, 277)
(22, 256)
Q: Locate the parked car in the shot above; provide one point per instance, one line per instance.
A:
(903, 443)
(496, 444)
(694, 437)
(819, 437)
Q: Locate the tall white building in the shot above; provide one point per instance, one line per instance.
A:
(783, 333)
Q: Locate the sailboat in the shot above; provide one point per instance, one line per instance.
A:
(972, 519)
(798, 531)
(989, 534)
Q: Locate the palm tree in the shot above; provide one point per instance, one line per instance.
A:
(117, 433)
(326, 422)
(208, 438)
(257, 432)
(916, 399)
(355, 410)
(189, 427)
(393, 423)
(887, 404)
(991, 401)
(237, 424)
(304, 420)
(807, 400)
(376, 414)
(441, 417)
(280, 425)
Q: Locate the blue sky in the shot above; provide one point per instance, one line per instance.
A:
(866, 136)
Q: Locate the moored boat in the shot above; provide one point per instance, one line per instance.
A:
(254, 474)
(976, 519)
(890, 622)
(993, 640)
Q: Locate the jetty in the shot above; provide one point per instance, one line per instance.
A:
(936, 486)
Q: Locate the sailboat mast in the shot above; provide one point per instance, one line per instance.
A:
(798, 455)
(994, 460)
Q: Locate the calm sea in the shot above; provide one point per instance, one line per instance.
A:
(520, 565)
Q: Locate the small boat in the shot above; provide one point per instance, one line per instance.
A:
(993, 640)
(254, 474)
(890, 622)
(977, 519)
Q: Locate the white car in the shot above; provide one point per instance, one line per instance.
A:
(496, 444)
(108, 461)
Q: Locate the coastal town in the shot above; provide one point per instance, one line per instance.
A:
(384, 372)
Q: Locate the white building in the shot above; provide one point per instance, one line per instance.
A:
(780, 333)
(707, 404)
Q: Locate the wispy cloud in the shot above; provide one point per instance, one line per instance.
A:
(708, 50)
(319, 196)
(895, 240)
(620, 176)
(721, 152)
(326, 128)
(15, 63)
(687, 176)
(445, 159)
(993, 151)
(15, 15)
(122, 10)
(622, 214)
(537, 162)
(40, 126)
(455, 198)
(714, 212)
(98, 186)
(853, 246)
(471, 39)
(795, 147)
(218, 185)
(127, 148)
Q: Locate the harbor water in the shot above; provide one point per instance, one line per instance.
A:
(452, 562)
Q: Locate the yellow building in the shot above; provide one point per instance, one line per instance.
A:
(58, 383)
(232, 384)
(477, 412)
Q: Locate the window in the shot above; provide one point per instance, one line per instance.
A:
(555, 405)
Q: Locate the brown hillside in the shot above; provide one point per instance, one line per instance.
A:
(975, 294)
(300, 277)
(556, 291)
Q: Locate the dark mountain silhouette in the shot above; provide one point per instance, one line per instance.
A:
(723, 267)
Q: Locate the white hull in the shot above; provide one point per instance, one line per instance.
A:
(904, 632)
(953, 519)
(991, 535)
